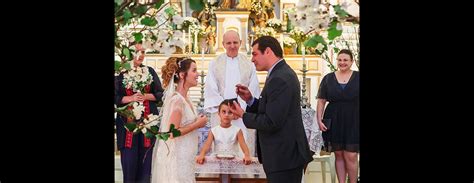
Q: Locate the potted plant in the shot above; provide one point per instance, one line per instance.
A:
(288, 45)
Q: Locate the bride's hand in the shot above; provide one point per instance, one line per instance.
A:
(201, 121)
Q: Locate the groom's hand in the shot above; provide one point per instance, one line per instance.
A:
(236, 110)
(243, 92)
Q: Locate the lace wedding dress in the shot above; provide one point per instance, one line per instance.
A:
(174, 160)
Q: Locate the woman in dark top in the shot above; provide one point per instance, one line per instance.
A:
(136, 150)
(340, 123)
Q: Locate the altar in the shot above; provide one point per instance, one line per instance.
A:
(229, 170)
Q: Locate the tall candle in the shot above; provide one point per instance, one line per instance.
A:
(202, 58)
(184, 40)
(195, 43)
(189, 39)
(303, 50)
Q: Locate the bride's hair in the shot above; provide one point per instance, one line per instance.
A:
(172, 68)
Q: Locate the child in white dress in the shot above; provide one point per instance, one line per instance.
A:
(225, 137)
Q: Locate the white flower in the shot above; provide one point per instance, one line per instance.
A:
(131, 39)
(188, 21)
(320, 47)
(143, 130)
(138, 108)
(292, 16)
(168, 50)
(339, 26)
(178, 43)
(266, 31)
(322, 8)
(345, 5)
(177, 34)
(157, 45)
(177, 19)
(163, 35)
(146, 44)
(274, 21)
(315, 3)
(352, 8)
(288, 41)
(302, 5)
(151, 121)
(195, 29)
(332, 12)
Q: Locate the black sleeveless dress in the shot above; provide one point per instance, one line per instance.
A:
(343, 111)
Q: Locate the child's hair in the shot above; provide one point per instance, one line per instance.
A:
(227, 102)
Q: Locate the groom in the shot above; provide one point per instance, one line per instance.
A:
(282, 146)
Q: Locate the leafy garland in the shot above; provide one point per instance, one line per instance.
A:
(149, 125)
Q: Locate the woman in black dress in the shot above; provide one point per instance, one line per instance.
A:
(340, 123)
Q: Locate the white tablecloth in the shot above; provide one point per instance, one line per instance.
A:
(229, 166)
(313, 134)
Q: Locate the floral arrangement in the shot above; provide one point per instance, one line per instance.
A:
(198, 29)
(266, 31)
(137, 78)
(298, 35)
(275, 24)
(190, 21)
(288, 42)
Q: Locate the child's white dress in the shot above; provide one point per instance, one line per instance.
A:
(225, 140)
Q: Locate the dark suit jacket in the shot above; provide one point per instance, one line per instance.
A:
(276, 114)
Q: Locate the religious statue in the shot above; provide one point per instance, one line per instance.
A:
(211, 40)
(245, 4)
(268, 7)
(261, 19)
(204, 17)
(227, 4)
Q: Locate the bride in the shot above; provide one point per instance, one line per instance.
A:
(173, 160)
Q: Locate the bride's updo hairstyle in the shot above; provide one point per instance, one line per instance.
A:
(172, 68)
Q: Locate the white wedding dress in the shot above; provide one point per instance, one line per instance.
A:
(174, 160)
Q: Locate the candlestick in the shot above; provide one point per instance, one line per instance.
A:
(304, 98)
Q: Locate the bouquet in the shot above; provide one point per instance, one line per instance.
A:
(137, 79)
